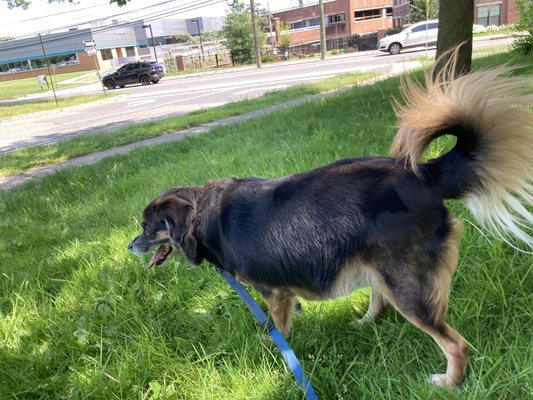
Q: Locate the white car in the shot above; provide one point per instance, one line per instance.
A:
(416, 35)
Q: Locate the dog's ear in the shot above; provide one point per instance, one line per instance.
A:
(177, 209)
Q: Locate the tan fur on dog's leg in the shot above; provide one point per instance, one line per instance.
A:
(281, 305)
(454, 348)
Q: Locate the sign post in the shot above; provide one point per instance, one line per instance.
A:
(90, 49)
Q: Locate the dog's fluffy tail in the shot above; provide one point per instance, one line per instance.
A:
(491, 164)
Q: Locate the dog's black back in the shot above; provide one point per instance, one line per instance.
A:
(300, 230)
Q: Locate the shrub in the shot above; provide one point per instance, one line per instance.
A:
(524, 41)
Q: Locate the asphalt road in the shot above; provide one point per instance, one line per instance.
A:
(179, 95)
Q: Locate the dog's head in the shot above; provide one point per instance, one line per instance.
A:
(167, 226)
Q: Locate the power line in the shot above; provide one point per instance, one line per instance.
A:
(54, 15)
(190, 6)
(148, 17)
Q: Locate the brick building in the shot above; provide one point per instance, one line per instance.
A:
(499, 12)
(344, 18)
(486, 12)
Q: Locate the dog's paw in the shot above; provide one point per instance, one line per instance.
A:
(285, 328)
(439, 380)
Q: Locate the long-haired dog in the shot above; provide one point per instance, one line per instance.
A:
(372, 221)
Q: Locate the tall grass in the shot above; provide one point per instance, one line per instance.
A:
(80, 317)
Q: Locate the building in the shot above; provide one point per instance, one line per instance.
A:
(343, 18)
(400, 12)
(486, 12)
(116, 43)
(501, 12)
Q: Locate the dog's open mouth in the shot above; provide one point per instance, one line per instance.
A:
(160, 255)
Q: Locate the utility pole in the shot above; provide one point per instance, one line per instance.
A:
(272, 41)
(153, 42)
(48, 66)
(254, 31)
(322, 32)
(197, 21)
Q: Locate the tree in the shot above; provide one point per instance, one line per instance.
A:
(285, 38)
(238, 33)
(456, 19)
(181, 38)
(423, 9)
(524, 42)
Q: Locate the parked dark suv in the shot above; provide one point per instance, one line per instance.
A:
(142, 72)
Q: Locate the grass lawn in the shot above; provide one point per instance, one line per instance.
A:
(13, 109)
(21, 87)
(80, 317)
(23, 159)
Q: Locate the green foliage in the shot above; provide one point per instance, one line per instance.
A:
(285, 39)
(181, 38)
(267, 58)
(239, 35)
(423, 9)
(170, 62)
(524, 42)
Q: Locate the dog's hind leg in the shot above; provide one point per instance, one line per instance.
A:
(429, 318)
(418, 286)
(377, 306)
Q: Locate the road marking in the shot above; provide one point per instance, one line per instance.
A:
(138, 103)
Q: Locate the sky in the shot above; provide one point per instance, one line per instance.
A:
(42, 16)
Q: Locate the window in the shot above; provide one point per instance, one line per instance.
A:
(107, 54)
(368, 14)
(335, 19)
(130, 51)
(374, 13)
(67, 59)
(39, 63)
(489, 15)
(305, 23)
(314, 22)
(419, 28)
(296, 25)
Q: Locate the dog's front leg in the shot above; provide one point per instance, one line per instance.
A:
(281, 304)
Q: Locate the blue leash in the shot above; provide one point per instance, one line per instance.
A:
(286, 351)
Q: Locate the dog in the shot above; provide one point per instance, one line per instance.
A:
(377, 222)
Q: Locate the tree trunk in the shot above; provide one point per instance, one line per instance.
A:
(256, 38)
(456, 19)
